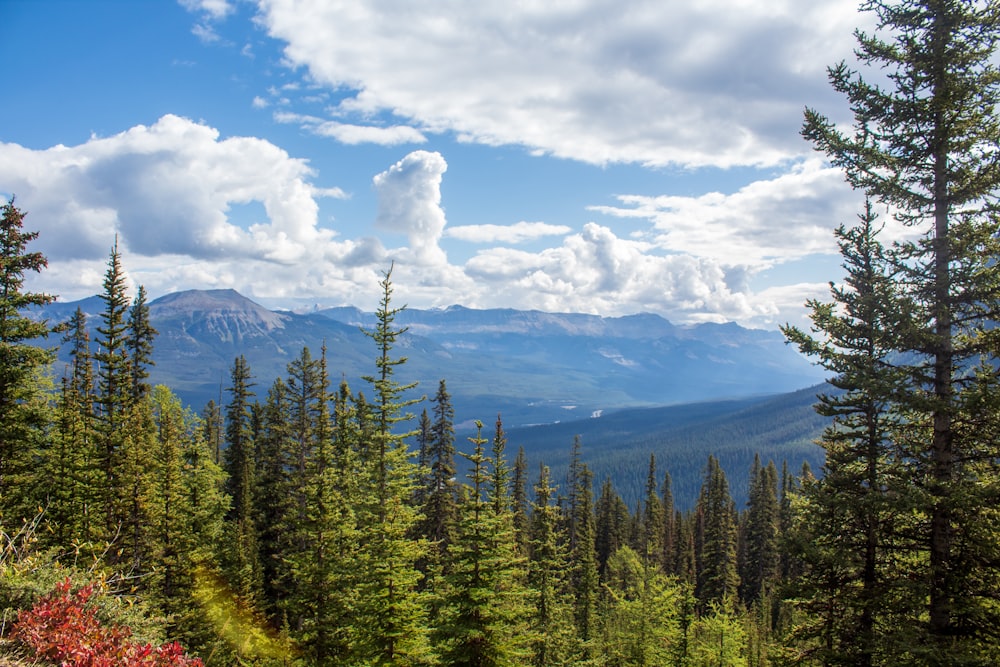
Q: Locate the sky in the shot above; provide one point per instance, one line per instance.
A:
(601, 156)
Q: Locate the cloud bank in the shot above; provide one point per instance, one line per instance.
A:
(714, 83)
(173, 193)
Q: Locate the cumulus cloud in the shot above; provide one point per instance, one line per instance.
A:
(720, 82)
(167, 190)
(595, 271)
(772, 220)
(519, 232)
(409, 202)
(170, 192)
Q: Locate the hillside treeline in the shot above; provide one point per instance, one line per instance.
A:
(317, 524)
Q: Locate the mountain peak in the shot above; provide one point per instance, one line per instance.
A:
(220, 307)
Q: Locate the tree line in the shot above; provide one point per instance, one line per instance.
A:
(323, 525)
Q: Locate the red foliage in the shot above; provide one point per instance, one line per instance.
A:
(63, 629)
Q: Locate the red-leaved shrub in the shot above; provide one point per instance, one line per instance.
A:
(62, 628)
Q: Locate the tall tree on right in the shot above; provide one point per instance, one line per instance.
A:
(926, 143)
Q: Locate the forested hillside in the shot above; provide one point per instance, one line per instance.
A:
(310, 520)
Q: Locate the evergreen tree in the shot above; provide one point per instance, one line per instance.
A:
(652, 522)
(20, 358)
(240, 465)
(925, 143)
(552, 620)
(212, 418)
(612, 525)
(113, 397)
(440, 507)
(717, 576)
(760, 563)
(140, 345)
(519, 500)
(583, 563)
(272, 497)
(73, 510)
(645, 614)
(863, 487)
(391, 623)
(483, 608)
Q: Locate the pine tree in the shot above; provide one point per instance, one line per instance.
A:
(140, 345)
(20, 358)
(240, 466)
(440, 507)
(760, 563)
(652, 522)
(484, 602)
(925, 142)
(612, 525)
(717, 576)
(863, 487)
(391, 623)
(113, 397)
(272, 499)
(73, 505)
(519, 500)
(552, 621)
(583, 563)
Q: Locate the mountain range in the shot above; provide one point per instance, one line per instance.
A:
(532, 367)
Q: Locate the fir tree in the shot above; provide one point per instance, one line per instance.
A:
(925, 142)
(484, 597)
(717, 576)
(140, 345)
(20, 358)
(391, 622)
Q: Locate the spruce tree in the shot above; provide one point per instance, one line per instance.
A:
(484, 606)
(20, 357)
(240, 467)
(718, 578)
(140, 344)
(391, 624)
(113, 395)
(440, 506)
(925, 143)
(552, 619)
(849, 566)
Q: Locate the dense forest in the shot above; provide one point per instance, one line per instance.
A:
(313, 524)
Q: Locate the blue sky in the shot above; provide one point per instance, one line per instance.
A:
(600, 156)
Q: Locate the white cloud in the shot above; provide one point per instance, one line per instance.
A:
(709, 83)
(365, 134)
(205, 32)
(167, 189)
(170, 191)
(775, 220)
(259, 103)
(517, 233)
(216, 9)
(409, 202)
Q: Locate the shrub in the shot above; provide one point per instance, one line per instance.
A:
(63, 627)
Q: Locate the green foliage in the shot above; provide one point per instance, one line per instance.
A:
(21, 360)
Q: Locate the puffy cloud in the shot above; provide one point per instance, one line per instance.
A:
(595, 271)
(519, 232)
(194, 210)
(168, 190)
(720, 82)
(409, 202)
(773, 220)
